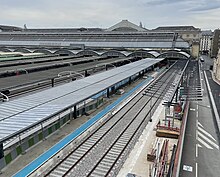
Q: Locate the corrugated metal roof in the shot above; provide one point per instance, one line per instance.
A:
(21, 113)
(103, 44)
(186, 54)
(154, 53)
(182, 45)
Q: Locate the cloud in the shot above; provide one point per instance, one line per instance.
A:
(205, 5)
(204, 21)
(104, 13)
(166, 2)
(188, 5)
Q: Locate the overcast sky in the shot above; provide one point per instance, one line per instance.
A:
(105, 13)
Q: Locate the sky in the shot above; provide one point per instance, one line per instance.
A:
(202, 14)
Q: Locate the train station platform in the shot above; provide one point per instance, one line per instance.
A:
(14, 83)
(24, 113)
(64, 142)
(137, 162)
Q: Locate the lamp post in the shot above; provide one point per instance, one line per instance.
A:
(151, 107)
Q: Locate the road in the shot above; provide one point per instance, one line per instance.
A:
(201, 157)
(215, 88)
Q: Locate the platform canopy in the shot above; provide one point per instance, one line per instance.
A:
(23, 113)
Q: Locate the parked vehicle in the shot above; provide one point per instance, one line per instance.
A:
(120, 92)
(201, 59)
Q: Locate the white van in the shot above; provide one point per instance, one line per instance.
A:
(120, 92)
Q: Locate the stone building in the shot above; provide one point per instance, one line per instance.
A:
(216, 67)
(215, 45)
(189, 34)
(205, 41)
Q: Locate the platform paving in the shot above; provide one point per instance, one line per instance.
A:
(137, 162)
(42, 147)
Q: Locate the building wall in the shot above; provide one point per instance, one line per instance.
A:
(216, 67)
(188, 33)
(205, 41)
(215, 43)
(190, 36)
(195, 49)
(193, 38)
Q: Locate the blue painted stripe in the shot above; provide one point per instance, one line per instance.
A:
(60, 145)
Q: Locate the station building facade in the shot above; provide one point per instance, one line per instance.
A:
(189, 34)
(205, 41)
(124, 35)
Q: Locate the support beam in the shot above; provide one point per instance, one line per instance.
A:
(152, 68)
(176, 94)
(129, 82)
(108, 93)
(113, 89)
(84, 108)
(86, 73)
(52, 82)
(75, 112)
(1, 151)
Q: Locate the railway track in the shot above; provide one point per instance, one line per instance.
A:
(32, 87)
(27, 88)
(43, 84)
(103, 152)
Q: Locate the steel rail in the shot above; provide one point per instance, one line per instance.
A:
(128, 142)
(134, 118)
(100, 138)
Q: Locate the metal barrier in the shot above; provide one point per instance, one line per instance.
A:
(178, 155)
